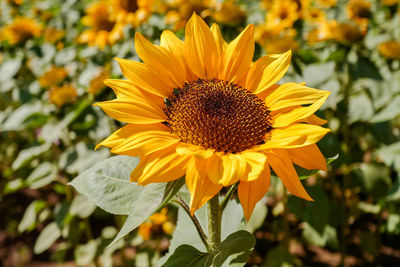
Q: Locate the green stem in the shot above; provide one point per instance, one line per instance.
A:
(228, 197)
(214, 223)
(196, 223)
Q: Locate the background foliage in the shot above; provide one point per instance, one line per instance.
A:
(54, 56)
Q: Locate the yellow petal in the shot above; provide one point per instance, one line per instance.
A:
(313, 119)
(271, 71)
(296, 135)
(119, 136)
(219, 40)
(139, 74)
(297, 114)
(125, 88)
(234, 168)
(251, 192)
(257, 163)
(200, 187)
(308, 157)
(280, 162)
(159, 167)
(147, 141)
(161, 61)
(176, 46)
(132, 110)
(238, 55)
(293, 94)
(193, 150)
(201, 52)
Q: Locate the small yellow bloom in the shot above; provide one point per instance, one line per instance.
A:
(168, 227)
(282, 15)
(327, 3)
(348, 33)
(159, 217)
(325, 30)
(21, 30)
(390, 49)
(52, 35)
(103, 29)
(201, 108)
(314, 15)
(53, 77)
(359, 11)
(390, 2)
(145, 230)
(60, 95)
(97, 83)
(228, 12)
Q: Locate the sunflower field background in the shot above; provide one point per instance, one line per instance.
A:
(54, 56)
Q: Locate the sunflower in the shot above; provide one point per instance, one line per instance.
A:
(282, 15)
(390, 49)
(21, 30)
(53, 76)
(131, 11)
(200, 108)
(103, 28)
(60, 95)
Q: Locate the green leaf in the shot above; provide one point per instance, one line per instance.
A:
(237, 244)
(47, 237)
(81, 207)
(42, 175)
(374, 179)
(107, 184)
(17, 118)
(171, 190)
(29, 219)
(279, 257)
(148, 202)
(186, 255)
(85, 254)
(28, 154)
(390, 155)
(394, 192)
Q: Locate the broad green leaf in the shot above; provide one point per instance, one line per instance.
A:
(279, 257)
(360, 108)
(42, 175)
(390, 155)
(81, 207)
(326, 237)
(234, 246)
(28, 154)
(30, 216)
(47, 237)
(17, 118)
(374, 179)
(316, 74)
(9, 68)
(394, 193)
(390, 112)
(148, 202)
(186, 255)
(85, 254)
(393, 224)
(107, 184)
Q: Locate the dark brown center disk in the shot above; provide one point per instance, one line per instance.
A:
(218, 115)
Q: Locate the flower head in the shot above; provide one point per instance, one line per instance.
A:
(21, 30)
(390, 49)
(60, 95)
(200, 108)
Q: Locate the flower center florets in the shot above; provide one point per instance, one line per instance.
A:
(218, 115)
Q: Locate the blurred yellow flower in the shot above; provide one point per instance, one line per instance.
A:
(348, 33)
(390, 2)
(225, 119)
(52, 34)
(97, 83)
(390, 49)
(20, 30)
(360, 12)
(325, 30)
(327, 3)
(314, 15)
(103, 28)
(227, 12)
(156, 222)
(53, 77)
(61, 95)
(131, 12)
(282, 15)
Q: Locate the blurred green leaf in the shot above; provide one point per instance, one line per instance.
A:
(85, 254)
(30, 216)
(233, 247)
(107, 184)
(81, 207)
(279, 257)
(186, 255)
(374, 179)
(47, 237)
(390, 155)
(42, 175)
(28, 154)
(390, 112)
